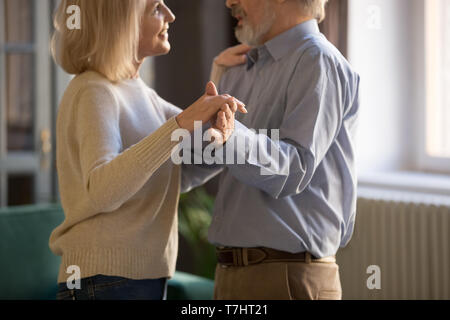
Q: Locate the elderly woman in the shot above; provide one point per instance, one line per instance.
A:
(118, 187)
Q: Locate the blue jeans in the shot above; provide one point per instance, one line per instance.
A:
(102, 287)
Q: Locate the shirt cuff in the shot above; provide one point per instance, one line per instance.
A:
(239, 145)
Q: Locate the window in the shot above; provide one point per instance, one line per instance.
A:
(31, 86)
(398, 48)
(437, 123)
(25, 103)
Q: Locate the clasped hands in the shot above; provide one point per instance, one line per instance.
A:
(219, 110)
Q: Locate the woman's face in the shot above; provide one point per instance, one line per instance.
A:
(154, 38)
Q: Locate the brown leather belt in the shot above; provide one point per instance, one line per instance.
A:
(240, 257)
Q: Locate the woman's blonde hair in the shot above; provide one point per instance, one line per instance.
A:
(107, 40)
(314, 8)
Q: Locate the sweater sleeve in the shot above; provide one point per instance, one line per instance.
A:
(111, 175)
(192, 176)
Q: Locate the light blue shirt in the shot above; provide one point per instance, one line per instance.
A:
(300, 84)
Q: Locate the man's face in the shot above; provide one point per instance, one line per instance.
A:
(255, 19)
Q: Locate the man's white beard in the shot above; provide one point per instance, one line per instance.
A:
(251, 36)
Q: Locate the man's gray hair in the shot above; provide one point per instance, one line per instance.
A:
(314, 8)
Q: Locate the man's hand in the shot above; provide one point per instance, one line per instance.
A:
(222, 125)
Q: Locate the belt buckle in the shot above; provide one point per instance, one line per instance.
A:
(244, 252)
(237, 257)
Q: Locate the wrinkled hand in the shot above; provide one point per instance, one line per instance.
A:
(233, 56)
(222, 125)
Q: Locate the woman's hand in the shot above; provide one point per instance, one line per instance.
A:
(207, 107)
(233, 56)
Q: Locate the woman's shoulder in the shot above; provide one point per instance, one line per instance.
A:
(89, 79)
(89, 83)
(88, 90)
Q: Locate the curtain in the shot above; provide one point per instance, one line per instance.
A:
(335, 25)
(18, 26)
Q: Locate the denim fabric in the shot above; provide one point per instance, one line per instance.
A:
(102, 287)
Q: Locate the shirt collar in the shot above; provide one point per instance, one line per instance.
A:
(252, 57)
(283, 43)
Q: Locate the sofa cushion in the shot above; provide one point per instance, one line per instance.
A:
(185, 286)
(28, 269)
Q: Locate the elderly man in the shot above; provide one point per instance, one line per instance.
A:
(277, 229)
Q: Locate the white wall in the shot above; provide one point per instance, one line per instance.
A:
(386, 49)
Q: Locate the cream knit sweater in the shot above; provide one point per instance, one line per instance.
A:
(119, 188)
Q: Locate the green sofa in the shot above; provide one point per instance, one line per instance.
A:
(28, 269)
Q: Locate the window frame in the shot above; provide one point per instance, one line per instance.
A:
(27, 162)
(428, 162)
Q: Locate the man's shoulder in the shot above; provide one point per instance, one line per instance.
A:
(318, 50)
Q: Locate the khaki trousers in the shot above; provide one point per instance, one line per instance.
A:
(279, 281)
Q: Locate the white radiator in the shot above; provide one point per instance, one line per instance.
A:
(409, 242)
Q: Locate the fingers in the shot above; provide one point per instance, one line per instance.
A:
(232, 105)
(240, 49)
(235, 104)
(224, 117)
(226, 111)
(211, 89)
(241, 106)
(221, 122)
(233, 56)
(232, 102)
(240, 53)
(242, 59)
(237, 59)
(225, 124)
